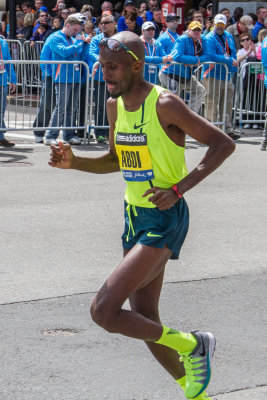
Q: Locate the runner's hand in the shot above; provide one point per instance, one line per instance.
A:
(61, 156)
(162, 198)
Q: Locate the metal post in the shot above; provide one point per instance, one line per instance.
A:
(215, 7)
(12, 19)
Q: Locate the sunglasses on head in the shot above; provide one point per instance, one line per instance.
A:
(115, 45)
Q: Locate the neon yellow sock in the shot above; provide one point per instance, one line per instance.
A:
(179, 341)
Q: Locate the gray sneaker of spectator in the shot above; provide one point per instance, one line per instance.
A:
(75, 140)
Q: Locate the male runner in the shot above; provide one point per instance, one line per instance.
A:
(147, 139)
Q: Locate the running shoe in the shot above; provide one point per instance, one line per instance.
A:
(203, 396)
(197, 364)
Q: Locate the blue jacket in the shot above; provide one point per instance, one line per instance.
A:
(154, 55)
(64, 49)
(184, 53)
(46, 55)
(219, 55)
(167, 41)
(9, 75)
(264, 59)
(122, 25)
(149, 15)
(94, 56)
(256, 29)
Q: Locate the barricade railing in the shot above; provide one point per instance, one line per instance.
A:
(205, 95)
(58, 105)
(32, 73)
(16, 51)
(250, 101)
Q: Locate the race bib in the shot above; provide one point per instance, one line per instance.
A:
(134, 157)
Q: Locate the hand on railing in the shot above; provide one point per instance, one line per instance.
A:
(32, 43)
(167, 59)
(12, 87)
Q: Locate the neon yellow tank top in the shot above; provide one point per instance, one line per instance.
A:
(146, 154)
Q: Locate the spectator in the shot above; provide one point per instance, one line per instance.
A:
(166, 41)
(129, 6)
(4, 24)
(245, 54)
(56, 26)
(107, 6)
(28, 25)
(198, 16)
(203, 8)
(38, 36)
(64, 15)
(37, 5)
(67, 79)
(142, 8)
(89, 28)
(154, 53)
(226, 12)
(221, 46)
(244, 25)
(261, 13)
(7, 76)
(130, 20)
(261, 36)
(48, 96)
(157, 18)
(152, 4)
(208, 23)
(264, 63)
(191, 50)
(58, 9)
(72, 10)
(254, 17)
(118, 9)
(20, 24)
(27, 7)
(108, 26)
(238, 13)
(42, 19)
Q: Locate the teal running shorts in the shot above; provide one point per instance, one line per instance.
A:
(155, 228)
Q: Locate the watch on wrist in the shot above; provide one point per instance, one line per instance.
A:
(175, 189)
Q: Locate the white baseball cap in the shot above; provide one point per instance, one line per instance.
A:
(220, 19)
(148, 24)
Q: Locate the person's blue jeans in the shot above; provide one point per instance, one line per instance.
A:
(3, 96)
(47, 104)
(67, 101)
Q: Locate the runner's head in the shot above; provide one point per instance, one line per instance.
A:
(122, 58)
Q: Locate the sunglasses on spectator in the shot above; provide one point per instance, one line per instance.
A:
(173, 19)
(105, 22)
(150, 29)
(245, 40)
(115, 45)
(220, 25)
(65, 12)
(43, 15)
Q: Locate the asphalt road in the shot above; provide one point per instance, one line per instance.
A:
(60, 239)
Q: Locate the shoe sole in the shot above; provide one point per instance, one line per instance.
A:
(212, 347)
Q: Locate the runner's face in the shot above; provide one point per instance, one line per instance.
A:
(116, 71)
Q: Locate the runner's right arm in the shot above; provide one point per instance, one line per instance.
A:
(63, 157)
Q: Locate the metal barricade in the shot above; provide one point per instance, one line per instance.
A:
(16, 52)
(205, 95)
(250, 103)
(32, 73)
(52, 106)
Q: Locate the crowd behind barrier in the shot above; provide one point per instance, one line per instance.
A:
(249, 105)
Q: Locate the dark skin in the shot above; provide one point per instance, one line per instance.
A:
(140, 274)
